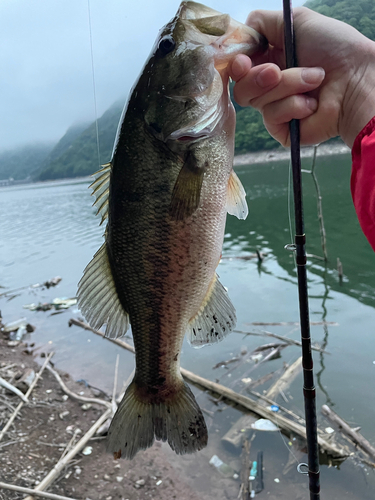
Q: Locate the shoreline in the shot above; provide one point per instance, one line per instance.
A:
(284, 154)
(265, 156)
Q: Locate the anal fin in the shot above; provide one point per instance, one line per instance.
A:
(215, 319)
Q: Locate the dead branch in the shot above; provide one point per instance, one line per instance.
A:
(73, 394)
(284, 423)
(293, 323)
(13, 389)
(319, 205)
(245, 471)
(41, 494)
(356, 437)
(51, 476)
(14, 414)
(114, 405)
(264, 333)
(239, 431)
(286, 379)
(282, 408)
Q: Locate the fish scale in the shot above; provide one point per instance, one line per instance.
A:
(170, 184)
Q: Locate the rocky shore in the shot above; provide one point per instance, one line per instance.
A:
(280, 154)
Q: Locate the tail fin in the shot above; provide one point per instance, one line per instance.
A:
(137, 423)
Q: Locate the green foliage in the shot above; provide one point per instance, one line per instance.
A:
(251, 134)
(19, 163)
(76, 154)
(358, 13)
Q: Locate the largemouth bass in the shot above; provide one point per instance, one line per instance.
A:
(165, 195)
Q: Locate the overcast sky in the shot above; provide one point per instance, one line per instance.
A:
(45, 58)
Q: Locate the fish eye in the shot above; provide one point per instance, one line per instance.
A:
(166, 45)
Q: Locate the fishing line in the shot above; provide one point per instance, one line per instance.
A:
(289, 448)
(93, 84)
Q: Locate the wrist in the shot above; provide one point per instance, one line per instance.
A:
(358, 106)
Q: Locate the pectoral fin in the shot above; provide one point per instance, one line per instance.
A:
(215, 319)
(236, 197)
(187, 190)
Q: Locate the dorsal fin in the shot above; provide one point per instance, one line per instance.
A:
(100, 189)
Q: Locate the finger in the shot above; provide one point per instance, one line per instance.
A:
(271, 25)
(293, 81)
(277, 115)
(252, 82)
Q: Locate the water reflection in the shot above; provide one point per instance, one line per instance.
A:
(50, 230)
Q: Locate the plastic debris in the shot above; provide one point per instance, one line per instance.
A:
(158, 483)
(87, 450)
(277, 480)
(329, 430)
(56, 304)
(264, 425)
(253, 471)
(246, 380)
(222, 467)
(274, 408)
(14, 325)
(140, 482)
(86, 406)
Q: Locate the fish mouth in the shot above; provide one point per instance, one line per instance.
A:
(226, 36)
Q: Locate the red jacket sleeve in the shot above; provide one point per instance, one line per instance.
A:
(363, 179)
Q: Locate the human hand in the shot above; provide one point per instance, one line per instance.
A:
(331, 92)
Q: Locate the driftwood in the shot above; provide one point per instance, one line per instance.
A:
(51, 476)
(286, 379)
(15, 413)
(41, 494)
(238, 433)
(282, 408)
(280, 337)
(355, 436)
(283, 423)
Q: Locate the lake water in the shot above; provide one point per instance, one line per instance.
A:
(50, 229)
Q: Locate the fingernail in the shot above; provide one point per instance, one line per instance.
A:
(267, 77)
(312, 75)
(312, 103)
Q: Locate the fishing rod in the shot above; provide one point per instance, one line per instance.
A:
(300, 252)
